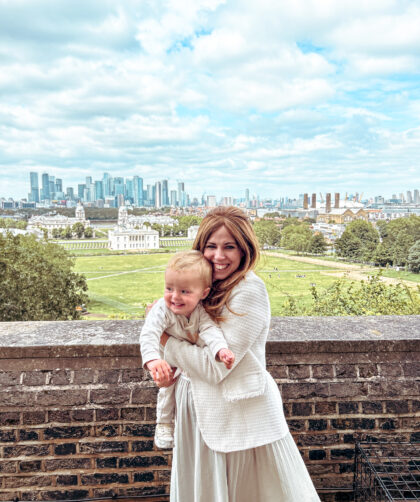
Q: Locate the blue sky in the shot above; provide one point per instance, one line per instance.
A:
(278, 97)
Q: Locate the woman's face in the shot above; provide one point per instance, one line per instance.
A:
(222, 251)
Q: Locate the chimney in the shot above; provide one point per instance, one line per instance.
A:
(328, 203)
(305, 201)
(313, 201)
(336, 200)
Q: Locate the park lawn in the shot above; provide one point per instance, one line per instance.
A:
(402, 274)
(126, 282)
(123, 284)
(290, 279)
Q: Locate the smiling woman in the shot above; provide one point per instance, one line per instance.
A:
(230, 422)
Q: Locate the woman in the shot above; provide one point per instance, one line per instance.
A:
(232, 443)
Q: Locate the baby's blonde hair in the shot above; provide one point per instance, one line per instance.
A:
(192, 260)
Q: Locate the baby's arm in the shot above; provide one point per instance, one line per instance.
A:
(213, 337)
(154, 325)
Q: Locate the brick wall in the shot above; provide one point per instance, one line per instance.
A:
(77, 411)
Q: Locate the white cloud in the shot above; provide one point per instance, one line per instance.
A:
(269, 94)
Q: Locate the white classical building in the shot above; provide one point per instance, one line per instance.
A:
(50, 222)
(124, 237)
(131, 221)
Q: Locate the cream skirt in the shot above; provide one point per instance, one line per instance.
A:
(271, 473)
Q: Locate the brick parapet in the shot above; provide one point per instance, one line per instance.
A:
(77, 411)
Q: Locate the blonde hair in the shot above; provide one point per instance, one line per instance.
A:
(192, 260)
(239, 226)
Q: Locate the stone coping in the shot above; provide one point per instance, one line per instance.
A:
(39, 339)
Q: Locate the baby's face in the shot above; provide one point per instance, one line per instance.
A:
(183, 291)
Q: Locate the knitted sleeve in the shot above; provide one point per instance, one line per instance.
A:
(249, 301)
(155, 324)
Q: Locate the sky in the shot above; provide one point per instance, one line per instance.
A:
(276, 96)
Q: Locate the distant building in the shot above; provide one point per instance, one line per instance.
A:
(125, 237)
(50, 222)
(192, 231)
(342, 215)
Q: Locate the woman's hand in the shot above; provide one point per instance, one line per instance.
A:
(149, 307)
(164, 338)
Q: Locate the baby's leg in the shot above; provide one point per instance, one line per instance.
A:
(165, 409)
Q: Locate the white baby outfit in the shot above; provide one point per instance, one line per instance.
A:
(198, 329)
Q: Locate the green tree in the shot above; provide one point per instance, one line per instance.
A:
(359, 241)
(37, 282)
(88, 233)
(78, 229)
(413, 260)
(56, 233)
(383, 254)
(67, 233)
(296, 237)
(267, 232)
(317, 244)
(402, 245)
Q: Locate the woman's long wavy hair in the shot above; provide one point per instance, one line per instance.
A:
(238, 224)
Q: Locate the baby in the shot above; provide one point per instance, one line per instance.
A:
(188, 280)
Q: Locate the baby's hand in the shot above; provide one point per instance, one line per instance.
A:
(159, 368)
(227, 357)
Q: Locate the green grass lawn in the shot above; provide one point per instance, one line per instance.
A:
(408, 276)
(123, 284)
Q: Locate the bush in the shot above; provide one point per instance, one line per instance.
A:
(37, 282)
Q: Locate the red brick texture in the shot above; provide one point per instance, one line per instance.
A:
(81, 427)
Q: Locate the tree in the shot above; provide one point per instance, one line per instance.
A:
(359, 241)
(401, 247)
(383, 254)
(37, 282)
(348, 245)
(78, 229)
(88, 233)
(67, 233)
(317, 244)
(56, 233)
(413, 260)
(267, 232)
(296, 237)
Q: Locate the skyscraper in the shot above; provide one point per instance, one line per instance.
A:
(181, 194)
(158, 194)
(416, 196)
(99, 190)
(105, 182)
(138, 191)
(409, 197)
(129, 190)
(165, 193)
(58, 185)
(81, 191)
(45, 186)
(118, 186)
(173, 198)
(34, 194)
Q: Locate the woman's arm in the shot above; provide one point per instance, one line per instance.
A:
(241, 331)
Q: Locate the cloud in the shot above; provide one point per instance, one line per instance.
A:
(269, 95)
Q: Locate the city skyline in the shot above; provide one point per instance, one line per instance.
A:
(277, 98)
(114, 192)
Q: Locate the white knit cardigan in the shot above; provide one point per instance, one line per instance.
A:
(240, 408)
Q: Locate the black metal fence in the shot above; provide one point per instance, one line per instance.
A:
(387, 471)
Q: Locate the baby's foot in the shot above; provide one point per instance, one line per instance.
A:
(164, 436)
